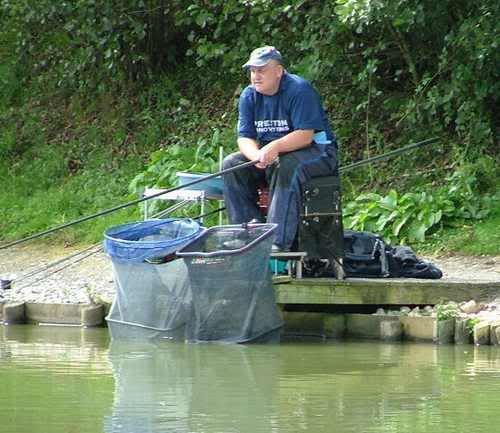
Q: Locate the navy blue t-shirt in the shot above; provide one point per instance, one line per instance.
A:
(296, 105)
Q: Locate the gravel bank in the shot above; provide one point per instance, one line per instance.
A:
(92, 278)
(88, 279)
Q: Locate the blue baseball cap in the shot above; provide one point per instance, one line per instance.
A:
(261, 57)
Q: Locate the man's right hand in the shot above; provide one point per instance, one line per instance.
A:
(267, 155)
(250, 148)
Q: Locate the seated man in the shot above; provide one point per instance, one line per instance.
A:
(283, 125)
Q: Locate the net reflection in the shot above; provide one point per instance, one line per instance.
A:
(298, 386)
(177, 387)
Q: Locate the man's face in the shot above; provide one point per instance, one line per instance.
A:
(266, 79)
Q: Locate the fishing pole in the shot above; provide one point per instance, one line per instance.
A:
(204, 178)
(386, 155)
(76, 257)
(131, 203)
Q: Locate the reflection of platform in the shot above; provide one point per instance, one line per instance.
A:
(186, 195)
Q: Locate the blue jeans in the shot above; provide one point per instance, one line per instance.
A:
(285, 179)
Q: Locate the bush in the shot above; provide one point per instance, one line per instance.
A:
(390, 72)
(410, 216)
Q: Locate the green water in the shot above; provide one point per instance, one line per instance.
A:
(55, 379)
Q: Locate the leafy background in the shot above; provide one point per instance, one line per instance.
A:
(100, 98)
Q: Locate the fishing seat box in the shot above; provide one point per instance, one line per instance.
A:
(320, 227)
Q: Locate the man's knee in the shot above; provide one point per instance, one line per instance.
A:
(284, 173)
(288, 161)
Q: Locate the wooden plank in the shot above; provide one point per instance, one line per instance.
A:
(383, 291)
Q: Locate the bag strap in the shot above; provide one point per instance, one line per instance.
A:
(384, 265)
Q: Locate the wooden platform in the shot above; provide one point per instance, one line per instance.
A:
(383, 291)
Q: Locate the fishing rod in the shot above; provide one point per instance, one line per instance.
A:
(387, 155)
(76, 257)
(207, 177)
(130, 203)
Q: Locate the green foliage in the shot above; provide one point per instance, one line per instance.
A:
(7, 142)
(37, 194)
(97, 43)
(446, 311)
(436, 52)
(165, 163)
(470, 237)
(471, 323)
(410, 216)
(389, 70)
(141, 76)
(224, 32)
(59, 165)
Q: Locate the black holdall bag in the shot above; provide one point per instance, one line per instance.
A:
(404, 263)
(365, 255)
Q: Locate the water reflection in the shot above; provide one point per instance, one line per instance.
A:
(53, 379)
(69, 379)
(66, 349)
(362, 387)
(213, 388)
(185, 388)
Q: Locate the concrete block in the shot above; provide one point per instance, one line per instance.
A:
(107, 307)
(92, 315)
(314, 324)
(428, 328)
(391, 330)
(445, 331)
(481, 333)
(495, 333)
(303, 323)
(13, 313)
(334, 325)
(419, 328)
(463, 334)
(68, 314)
(367, 325)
